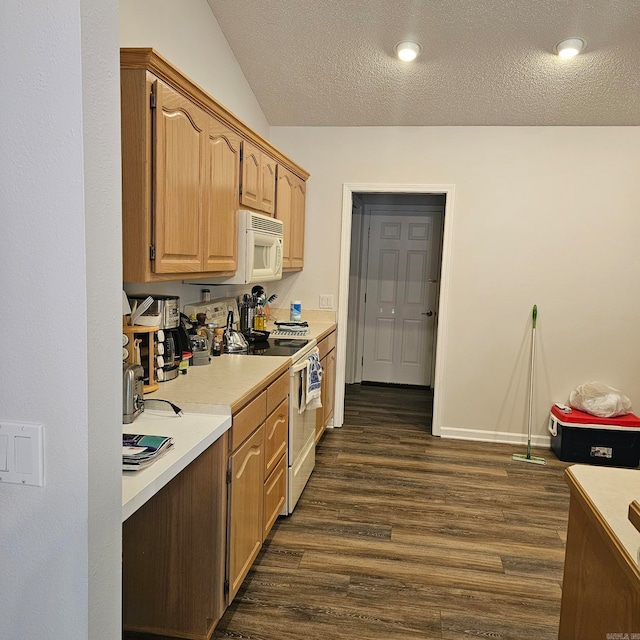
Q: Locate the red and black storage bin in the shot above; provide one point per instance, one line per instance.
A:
(580, 437)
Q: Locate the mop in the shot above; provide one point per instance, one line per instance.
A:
(528, 457)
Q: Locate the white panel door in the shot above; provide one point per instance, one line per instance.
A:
(402, 270)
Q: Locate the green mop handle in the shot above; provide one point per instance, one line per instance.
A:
(535, 315)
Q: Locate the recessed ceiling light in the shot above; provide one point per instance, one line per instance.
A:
(407, 51)
(570, 47)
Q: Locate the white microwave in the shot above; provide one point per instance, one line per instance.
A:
(259, 249)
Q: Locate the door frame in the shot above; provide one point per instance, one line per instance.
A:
(348, 189)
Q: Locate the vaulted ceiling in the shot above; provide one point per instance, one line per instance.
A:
(483, 62)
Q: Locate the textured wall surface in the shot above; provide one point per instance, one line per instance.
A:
(331, 63)
(59, 179)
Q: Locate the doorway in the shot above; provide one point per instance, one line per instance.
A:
(353, 203)
(396, 248)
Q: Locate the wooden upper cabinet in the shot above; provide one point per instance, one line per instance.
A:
(297, 223)
(221, 198)
(284, 201)
(258, 180)
(290, 208)
(251, 176)
(268, 185)
(180, 173)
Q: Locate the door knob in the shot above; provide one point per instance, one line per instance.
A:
(428, 314)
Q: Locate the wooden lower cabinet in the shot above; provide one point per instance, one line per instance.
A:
(324, 415)
(601, 582)
(245, 508)
(187, 550)
(257, 475)
(173, 553)
(275, 494)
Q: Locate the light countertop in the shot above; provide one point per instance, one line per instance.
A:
(192, 434)
(208, 395)
(610, 490)
(229, 381)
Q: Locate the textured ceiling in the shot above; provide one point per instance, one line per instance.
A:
(483, 62)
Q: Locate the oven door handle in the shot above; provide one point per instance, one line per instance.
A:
(302, 364)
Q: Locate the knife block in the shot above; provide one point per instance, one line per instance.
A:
(142, 349)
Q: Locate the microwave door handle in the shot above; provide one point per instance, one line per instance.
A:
(278, 255)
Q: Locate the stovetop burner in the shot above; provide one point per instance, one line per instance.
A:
(275, 347)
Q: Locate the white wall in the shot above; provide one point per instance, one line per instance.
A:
(546, 216)
(187, 34)
(59, 252)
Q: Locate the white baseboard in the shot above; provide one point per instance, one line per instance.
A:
(494, 436)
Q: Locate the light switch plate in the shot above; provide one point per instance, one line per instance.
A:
(326, 301)
(23, 456)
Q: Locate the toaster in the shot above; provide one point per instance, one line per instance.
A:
(132, 392)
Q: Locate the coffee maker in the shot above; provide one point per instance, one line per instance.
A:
(173, 340)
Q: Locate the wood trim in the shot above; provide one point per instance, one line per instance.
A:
(148, 58)
(634, 514)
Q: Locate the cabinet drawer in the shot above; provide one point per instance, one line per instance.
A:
(326, 344)
(275, 437)
(275, 493)
(277, 392)
(247, 420)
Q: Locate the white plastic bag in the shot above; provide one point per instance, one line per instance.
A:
(600, 399)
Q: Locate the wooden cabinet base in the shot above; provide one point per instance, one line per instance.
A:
(275, 494)
(173, 562)
(601, 587)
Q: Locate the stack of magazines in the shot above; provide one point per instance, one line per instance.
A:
(139, 451)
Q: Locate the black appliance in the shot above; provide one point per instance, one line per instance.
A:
(275, 347)
(176, 343)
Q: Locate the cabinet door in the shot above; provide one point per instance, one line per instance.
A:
(275, 437)
(251, 176)
(221, 198)
(284, 200)
(179, 155)
(245, 508)
(298, 200)
(275, 494)
(267, 185)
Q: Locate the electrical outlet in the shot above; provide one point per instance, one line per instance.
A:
(326, 301)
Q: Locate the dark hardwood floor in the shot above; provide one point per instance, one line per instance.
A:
(401, 535)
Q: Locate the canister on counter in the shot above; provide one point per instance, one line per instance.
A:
(216, 347)
(296, 311)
